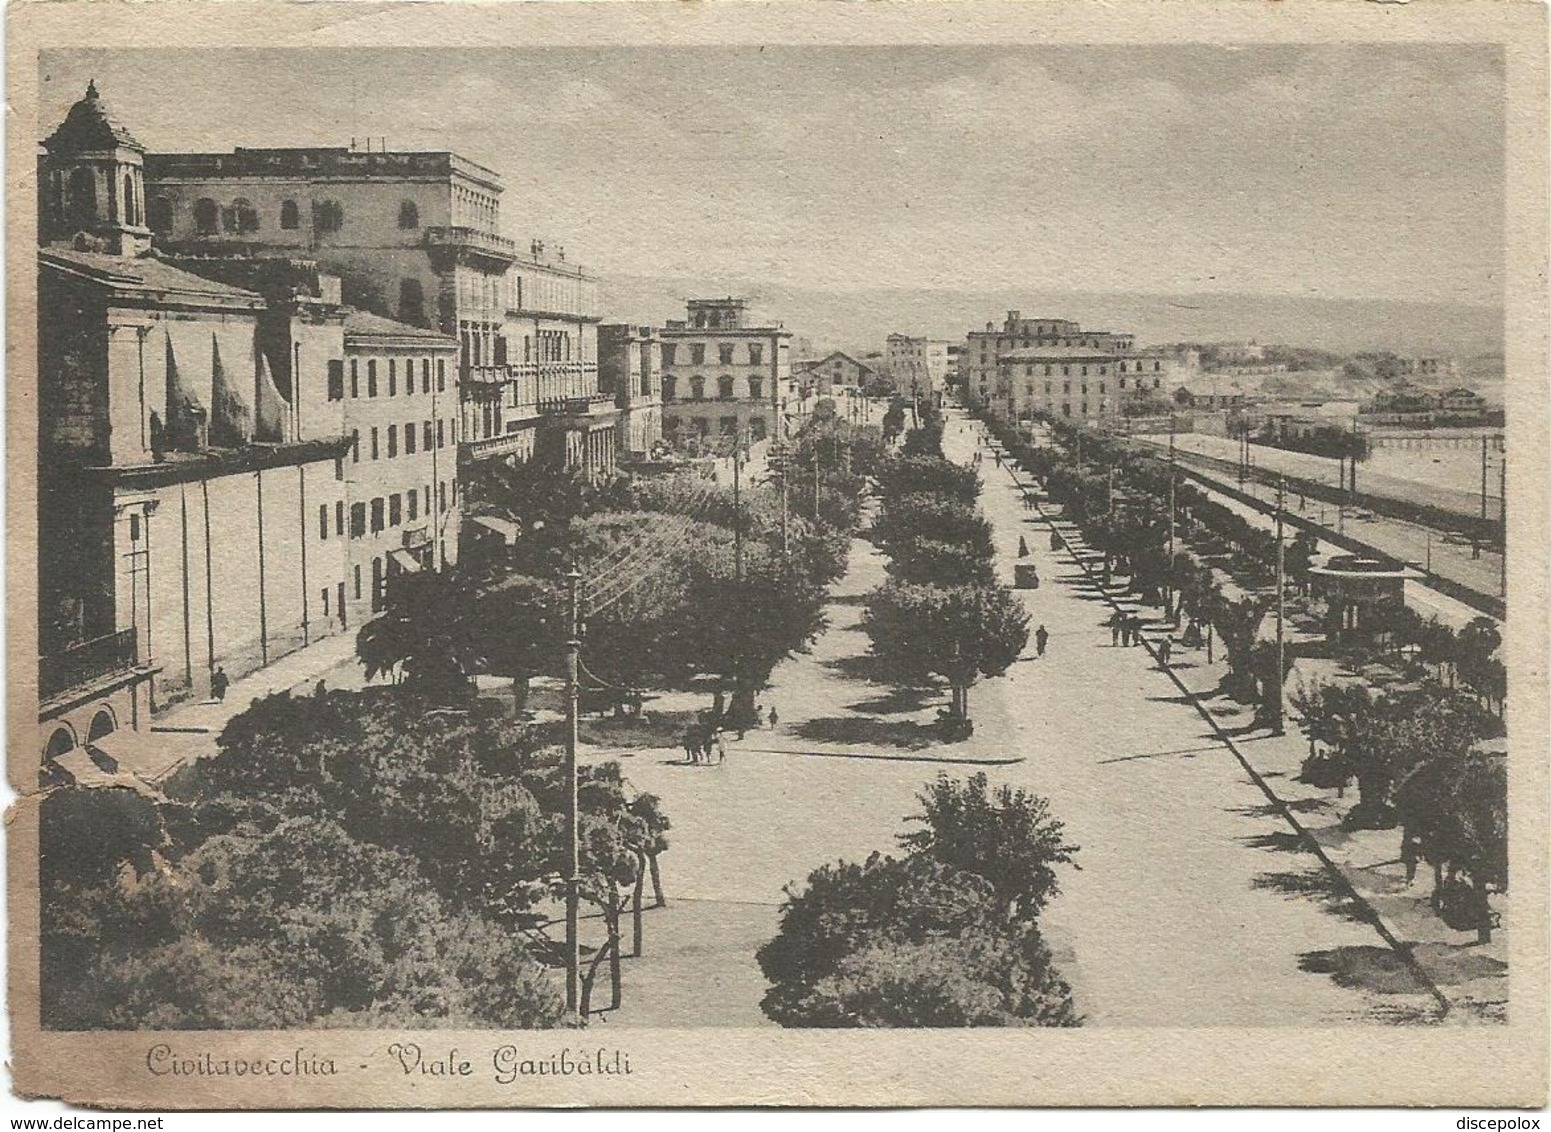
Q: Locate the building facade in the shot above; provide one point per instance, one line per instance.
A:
(836, 369)
(981, 358)
(399, 509)
(630, 370)
(416, 237)
(208, 486)
(723, 378)
(917, 367)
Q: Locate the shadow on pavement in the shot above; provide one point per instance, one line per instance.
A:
(899, 701)
(1318, 885)
(1378, 970)
(1280, 841)
(864, 730)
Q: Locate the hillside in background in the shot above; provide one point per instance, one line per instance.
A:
(860, 320)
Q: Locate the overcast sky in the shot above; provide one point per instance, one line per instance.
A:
(1372, 172)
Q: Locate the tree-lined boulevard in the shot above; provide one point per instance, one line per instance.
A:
(859, 658)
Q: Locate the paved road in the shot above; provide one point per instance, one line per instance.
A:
(1193, 905)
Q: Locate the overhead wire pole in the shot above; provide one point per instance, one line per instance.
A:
(573, 651)
(1281, 610)
(1170, 573)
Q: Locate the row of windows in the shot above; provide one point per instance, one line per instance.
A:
(482, 348)
(240, 216)
(337, 377)
(724, 352)
(726, 388)
(1066, 386)
(383, 512)
(411, 432)
(701, 426)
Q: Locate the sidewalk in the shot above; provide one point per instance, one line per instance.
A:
(1471, 977)
(189, 731)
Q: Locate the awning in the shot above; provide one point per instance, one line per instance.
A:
(505, 528)
(405, 561)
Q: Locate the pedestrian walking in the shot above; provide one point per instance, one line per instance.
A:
(1041, 638)
(1033, 577)
(1023, 547)
(1055, 539)
(219, 683)
(691, 744)
(1165, 646)
(773, 717)
(1125, 631)
(1114, 631)
(721, 748)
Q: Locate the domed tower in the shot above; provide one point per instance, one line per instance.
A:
(92, 180)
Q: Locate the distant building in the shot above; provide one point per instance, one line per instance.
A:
(981, 365)
(1075, 384)
(724, 379)
(917, 367)
(837, 369)
(630, 369)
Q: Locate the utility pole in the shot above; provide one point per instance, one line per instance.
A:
(815, 481)
(737, 510)
(1281, 606)
(1502, 515)
(785, 473)
(1169, 574)
(1484, 443)
(573, 649)
(1110, 490)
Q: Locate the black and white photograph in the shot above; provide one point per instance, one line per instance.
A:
(760, 538)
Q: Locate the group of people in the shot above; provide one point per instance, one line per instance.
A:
(1125, 629)
(705, 740)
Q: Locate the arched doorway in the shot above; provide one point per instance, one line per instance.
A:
(103, 723)
(62, 741)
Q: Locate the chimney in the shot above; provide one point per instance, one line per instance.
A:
(1012, 319)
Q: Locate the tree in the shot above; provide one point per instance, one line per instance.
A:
(425, 633)
(1005, 836)
(911, 475)
(905, 943)
(959, 632)
(915, 517)
(302, 926)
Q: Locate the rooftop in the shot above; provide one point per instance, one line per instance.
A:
(319, 162)
(365, 324)
(90, 125)
(1059, 354)
(145, 273)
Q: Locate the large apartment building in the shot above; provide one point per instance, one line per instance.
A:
(918, 367)
(630, 370)
(416, 237)
(723, 378)
(231, 459)
(981, 358)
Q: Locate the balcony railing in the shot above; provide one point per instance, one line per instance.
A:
(492, 446)
(86, 662)
(472, 240)
(576, 406)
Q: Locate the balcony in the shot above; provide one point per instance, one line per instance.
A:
(86, 663)
(576, 406)
(493, 446)
(482, 249)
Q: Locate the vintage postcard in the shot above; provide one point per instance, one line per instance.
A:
(725, 554)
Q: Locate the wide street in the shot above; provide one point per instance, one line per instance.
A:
(1194, 904)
